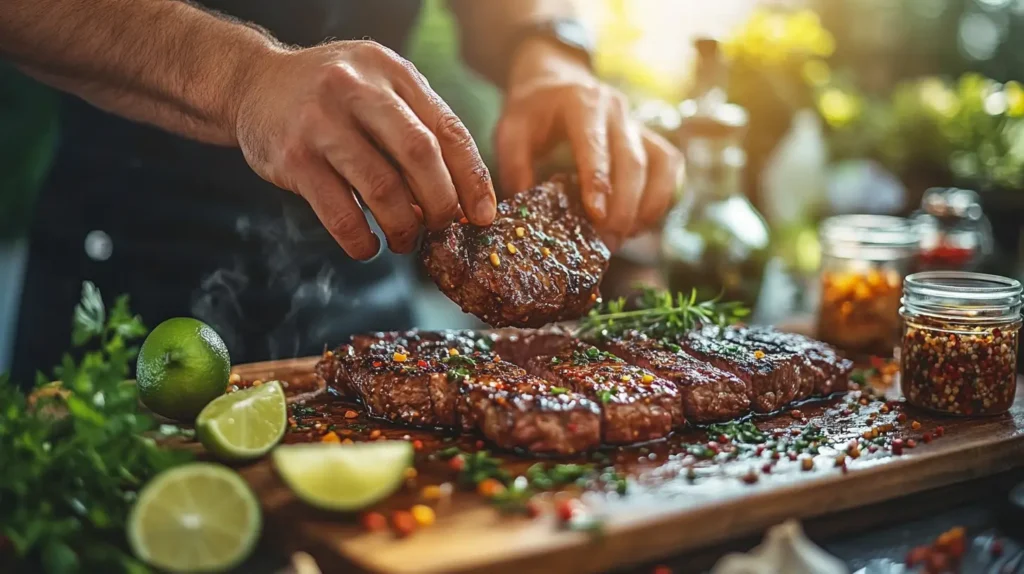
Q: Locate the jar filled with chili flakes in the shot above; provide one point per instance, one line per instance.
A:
(864, 260)
(960, 337)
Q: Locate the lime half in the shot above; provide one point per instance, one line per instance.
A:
(244, 424)
(200, 517)
(344, 477)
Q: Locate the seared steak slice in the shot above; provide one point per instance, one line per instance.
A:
(539, 262)
(708, 394)
(518, 411)
(774, 379)
(636, 406)
(835, 370)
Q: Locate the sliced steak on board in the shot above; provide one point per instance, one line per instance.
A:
(774, 379)
(636, 406)
(835, 370)
(708, 393)
(540, 261)
(444, 380)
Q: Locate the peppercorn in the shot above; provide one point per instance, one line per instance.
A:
(374, 521)
(403, 523)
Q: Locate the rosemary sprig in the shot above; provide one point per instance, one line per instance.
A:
(659, 314)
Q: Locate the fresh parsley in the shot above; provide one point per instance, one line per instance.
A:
(524, 212)
(559, 390)
(73, 455)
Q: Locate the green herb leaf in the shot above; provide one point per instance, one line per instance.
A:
(89, 315)
(559, 390)
(659, 314)
(524, 212)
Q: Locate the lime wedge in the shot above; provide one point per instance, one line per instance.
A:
(244, 424)
(343, 477)
(200, 517)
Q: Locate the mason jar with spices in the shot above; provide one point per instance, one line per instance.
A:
(864, 260)
(960, 339)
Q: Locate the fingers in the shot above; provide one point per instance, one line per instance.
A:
(586, 124)
(382, 189)
(629, 175)
(512, 143)
(416, 152)
(665, 174)
(460, 156)
(332, 200)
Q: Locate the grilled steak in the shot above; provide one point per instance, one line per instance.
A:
(774, 379)
(445, 380)
(636, 406)
(708, 393)
(539, 262)
(834, 370)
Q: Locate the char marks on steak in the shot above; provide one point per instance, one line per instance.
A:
(774, 379)
(831, 372)
(539, 262)
(470, 389)
(708, 393)
(636, 405)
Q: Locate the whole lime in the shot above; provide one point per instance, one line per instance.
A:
(183, 365)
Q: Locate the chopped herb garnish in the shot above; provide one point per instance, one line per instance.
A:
(484, 344)
(559, 390)
(458, 374)
(524, 212)
(605, 395)
(549, 241)
(673, 347)
(459, 361)
(485, 239)
(556, 361)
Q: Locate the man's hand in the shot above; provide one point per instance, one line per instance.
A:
(355, 115)
(628, 174)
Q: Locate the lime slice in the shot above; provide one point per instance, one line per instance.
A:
(200, 517)
(343, 477)
(244, 424)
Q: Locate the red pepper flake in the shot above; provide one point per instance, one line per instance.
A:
(564, 509)
(374, 521)
(417, 445)
(872, 448)
(767, 468)
(927, 437)
(723, 439)
(456, 463)
(751, 477)
(374, 433)
(377, 364)
(902, 417)
(792, 456)
(795, 413)
(351, 414)
(479, 444)
(759, 449)
(915, 425)
(714, 447)
(403, 523)
(939, 431)
(847, 412)
(897, 446)
(776, 455)
(422, 364)
(911, 443)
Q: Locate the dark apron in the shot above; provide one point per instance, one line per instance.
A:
(187, 229)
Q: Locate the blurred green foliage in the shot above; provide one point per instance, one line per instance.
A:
(28, 114)
(434, 48)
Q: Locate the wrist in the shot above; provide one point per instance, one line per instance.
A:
(540, 57)
(245, 81)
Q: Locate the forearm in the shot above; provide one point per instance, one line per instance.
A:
(489, 27)
(163, 62)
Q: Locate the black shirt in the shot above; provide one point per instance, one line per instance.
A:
(187, 229)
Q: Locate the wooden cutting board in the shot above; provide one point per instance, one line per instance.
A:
(672, 517)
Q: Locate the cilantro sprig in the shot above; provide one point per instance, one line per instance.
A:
(659, 314)
(73, 455)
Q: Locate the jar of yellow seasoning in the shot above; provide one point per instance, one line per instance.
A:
(960, 337)
(864, 260)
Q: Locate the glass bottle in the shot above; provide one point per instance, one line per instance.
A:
(954, 232)
(864, 260)
(960, 341)
(714, 240)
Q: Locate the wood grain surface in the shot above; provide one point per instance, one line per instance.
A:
(648, 523)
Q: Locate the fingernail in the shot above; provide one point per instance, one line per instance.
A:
(598, 206)
(484, 210)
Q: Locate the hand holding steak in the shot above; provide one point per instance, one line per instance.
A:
(539, 262)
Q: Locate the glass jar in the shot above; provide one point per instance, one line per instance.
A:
(864, 260)
(953, 231)
(960, 337)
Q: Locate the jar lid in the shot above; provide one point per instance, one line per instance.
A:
(962, 296)
(873, 237)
